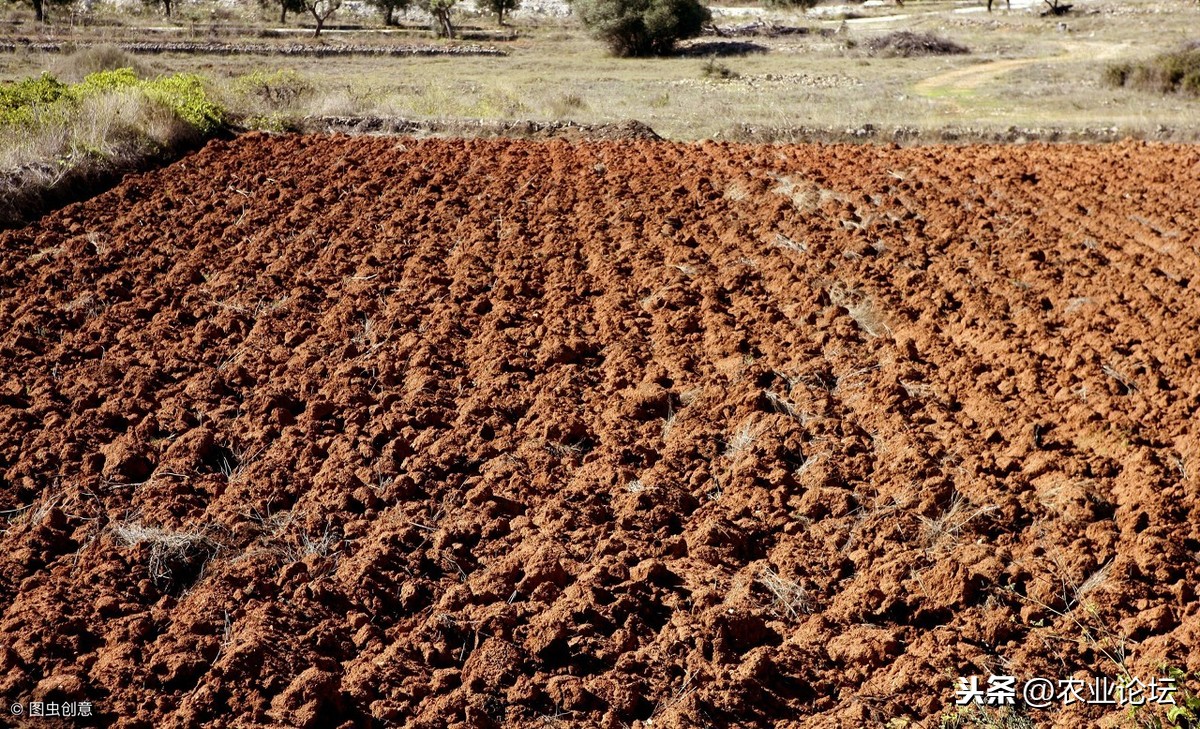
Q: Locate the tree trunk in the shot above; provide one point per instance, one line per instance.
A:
(989, 6)
(389, 16)
(320, 24)
(39, 11)
(283, 12)
(500, 17)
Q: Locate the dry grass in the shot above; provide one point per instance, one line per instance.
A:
(741, 440)
(30, 514)
(979, 717)
(861, 308)
(779, 403)
(307, 545)
(805, 195)
(787, 244)
(76, 66)
(906, 44)
(949, 524)
(171, 552)
(790, 599)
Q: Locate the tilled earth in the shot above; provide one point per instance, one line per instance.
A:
(318, 431)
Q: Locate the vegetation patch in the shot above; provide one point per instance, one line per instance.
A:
(906, 44)
(84, 61)
(1167, 73)
(60, 140)
(642, 27)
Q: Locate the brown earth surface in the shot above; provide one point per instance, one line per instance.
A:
(319, 431)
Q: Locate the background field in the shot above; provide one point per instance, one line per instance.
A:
(1023, 71)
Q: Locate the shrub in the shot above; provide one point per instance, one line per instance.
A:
(274, 122)
(713, 68)
(905, 44)
(1176, 72)
(102, 81)
(185, 93)
(642, 27)
(1117, 74)
(275, 90)
(25, 101)
(18, 100)
(86, 61)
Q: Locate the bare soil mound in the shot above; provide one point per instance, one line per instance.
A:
(318, 431)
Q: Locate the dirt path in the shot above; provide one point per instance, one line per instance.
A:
(956, 85)
(961, 81)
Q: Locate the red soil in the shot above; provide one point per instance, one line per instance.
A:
(317, 430)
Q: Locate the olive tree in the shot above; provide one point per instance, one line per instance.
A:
(41, 6)
(500, 7)
(167, 5)
(321, 10)
(642, 27)
(285, 7)
(440, 10)
(387, 9)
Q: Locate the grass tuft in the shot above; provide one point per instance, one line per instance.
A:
(714, 69)
(172, 553)
(790, 599)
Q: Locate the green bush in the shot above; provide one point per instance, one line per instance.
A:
(184, 92)
(19, 100)
(273, 122)
(1167, 73)
(57, 139)
(104, 81)
(642, 27)
(32, 100)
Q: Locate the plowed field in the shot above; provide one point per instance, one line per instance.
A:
(320, 431)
